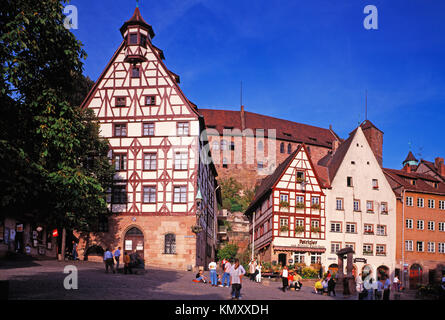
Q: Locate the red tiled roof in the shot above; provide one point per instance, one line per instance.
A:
(410, 157)
(368, 124)
(399, 179)
(285, 129)
(137, 19)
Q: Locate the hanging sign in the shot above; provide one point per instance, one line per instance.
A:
(128, 245)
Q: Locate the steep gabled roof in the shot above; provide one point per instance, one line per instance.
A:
(410, 157)
(367, 124)
(137, 19)
(399, 179)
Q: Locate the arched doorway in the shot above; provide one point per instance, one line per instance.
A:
(415, 275)
(94, 250)
(134, 240)
(382, 271)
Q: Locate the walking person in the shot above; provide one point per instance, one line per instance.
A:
(213, 275)
(360, 288)
(75, 251)
(127, 263)
(108, 259)
(117, 256)
(386, 288)
(284, 277)
(368, 285)
(331, 286)
(258, 273)
(226, 275)
(252, 268)
(396, 283)
(236, 278)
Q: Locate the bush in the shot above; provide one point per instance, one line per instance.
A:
(228, 252)
(309, 273)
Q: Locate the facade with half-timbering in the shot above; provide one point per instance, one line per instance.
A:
(154, 135)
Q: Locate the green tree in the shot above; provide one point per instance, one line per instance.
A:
(229, 251)
(54, 166)
(234, 197)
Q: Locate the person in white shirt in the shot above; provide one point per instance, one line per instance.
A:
(236, 278)
(396, 283)
(258, 276)
(226, 275)
(284, 275)
(108, 259)
(213, 275)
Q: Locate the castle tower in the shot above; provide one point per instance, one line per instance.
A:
(375, 139)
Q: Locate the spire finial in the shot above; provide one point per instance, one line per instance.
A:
(137, 3)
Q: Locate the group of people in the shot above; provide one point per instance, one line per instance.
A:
(291, 280)
(326, 285)
(130, 261)
(371, 289)
(232, 274)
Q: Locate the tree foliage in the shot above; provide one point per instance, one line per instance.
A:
(228, 252)
(53, 164)
(234, 197)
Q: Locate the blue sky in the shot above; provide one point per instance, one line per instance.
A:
(306, 61)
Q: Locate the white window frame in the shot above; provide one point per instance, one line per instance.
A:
(420, 224)
(409, 223)
(409, 245)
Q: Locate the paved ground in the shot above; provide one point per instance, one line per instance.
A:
(44, 280)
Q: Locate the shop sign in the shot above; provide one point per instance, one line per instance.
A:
(55, 233)
(360, 260)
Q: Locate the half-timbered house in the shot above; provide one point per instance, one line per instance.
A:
(288, 213)
(154, 135)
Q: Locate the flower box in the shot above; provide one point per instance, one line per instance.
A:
(315, 229)
(315, 206)
(299, 205)
(284, 204)
(299, 229)
(284, 229)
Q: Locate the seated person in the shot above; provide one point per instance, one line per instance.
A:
(297, 281)
(324, 283)
(219, 281)
(200, 277)
(290, 280)
(318, 287)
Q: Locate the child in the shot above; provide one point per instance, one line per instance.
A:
(200, 277)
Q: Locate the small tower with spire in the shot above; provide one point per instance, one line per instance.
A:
(410, 160)
(137, 33)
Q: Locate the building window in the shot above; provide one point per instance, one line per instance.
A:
(335, 226)
(232, 145)
(441, 247)
(315, 224)
(367, 249)
(431, 204)
(260, 165)
(351, 228)
(150, 100)
(384, 208)
(120, 101)
(381, 230)
(339, 204)
(289, 149)
(300, 176)
(299, 222)
(335, 247)
(148, 129)
(120, 130)
(431, 225)
(442, 204)
(215, 145)
(409, 223)
(181, 161)
(315, 258)
(150, 194)
(441, 226)
(180, 194)
(170, 244)
(182, 128)
(282, 147)
(375, 183)
(380, 249)
(135, 72)
(431, 246)
(120, 162)
(368, 229)
(316, 202)
(284, 226)
(409, 201)
(370, 206)
(143, 40)
(102, 225)
(356, 205)
(420, 224)
(149, 161)
(420, 247)
(349, 181)
(409, 245)
(223, 144)
(225, 163)
(260, 146)
(350, 245)
(133, 38)
(420, 202)
(284, 197)
(299, 257)
(299, 202)
(119, 195)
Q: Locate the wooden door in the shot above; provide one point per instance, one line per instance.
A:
(134, 241)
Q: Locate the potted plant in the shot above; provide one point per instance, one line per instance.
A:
(284, 204)
(299, 205)
(315, 229)
(300, 180)
(315, 206)
(284, 228)
(367, 252)
(299, 229)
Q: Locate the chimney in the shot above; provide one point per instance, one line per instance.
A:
(243, 121)
(407, 168)
(440, 166)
